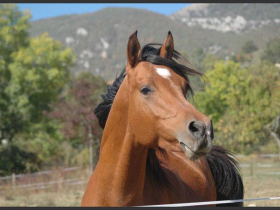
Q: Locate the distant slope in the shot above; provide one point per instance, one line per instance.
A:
(99, 39)
(229, 17)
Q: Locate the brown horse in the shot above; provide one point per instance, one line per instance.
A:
(156, 147)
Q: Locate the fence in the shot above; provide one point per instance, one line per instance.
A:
(72, 176)
(45, 179)
(263, 164)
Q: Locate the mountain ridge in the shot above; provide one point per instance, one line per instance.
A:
(99, 39)
(229, 17)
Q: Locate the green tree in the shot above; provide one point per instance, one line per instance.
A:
(240, 102)
(273, 129)
(33, 72)
(210, 60)
(272, 51)
(259, 104)
(201, 61)
(227, 81)
(37, 75)
(13, 35)
(15, 160)
(249, 47)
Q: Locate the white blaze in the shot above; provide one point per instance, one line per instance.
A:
(163, 72)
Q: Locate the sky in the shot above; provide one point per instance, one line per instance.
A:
(47, 10)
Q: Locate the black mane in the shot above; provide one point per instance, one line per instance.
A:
(103, 109)
(149, 54)
(226, 173)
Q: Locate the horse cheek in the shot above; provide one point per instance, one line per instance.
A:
(142, 125)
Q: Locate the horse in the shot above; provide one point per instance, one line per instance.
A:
(157, 147)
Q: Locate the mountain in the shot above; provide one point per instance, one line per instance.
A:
(99, 39)
(236, 18)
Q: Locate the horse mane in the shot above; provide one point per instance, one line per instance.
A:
(226, 173)
(182, 67)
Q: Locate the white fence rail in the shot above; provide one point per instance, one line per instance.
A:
(211, 202)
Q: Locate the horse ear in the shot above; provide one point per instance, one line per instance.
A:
(167, 48)
(133, 50)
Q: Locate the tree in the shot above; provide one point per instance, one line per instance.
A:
(249, 47)
(13, 35)
(272, 51)
(200, 61)
(273, 128)
(15, 160)
(210, 60)
(226, 83)
(245, 57)
(33, 72)
(240, 102)
(75, 110)
(37, 75)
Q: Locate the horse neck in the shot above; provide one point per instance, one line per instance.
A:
(123, 157)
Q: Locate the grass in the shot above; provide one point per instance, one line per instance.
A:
(55, 193)
(259, 182)
(262, 187)
(257, 185)
(43, 198)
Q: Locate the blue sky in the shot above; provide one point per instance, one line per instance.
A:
(46, 10)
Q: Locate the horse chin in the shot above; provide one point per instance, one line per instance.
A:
(192, 155)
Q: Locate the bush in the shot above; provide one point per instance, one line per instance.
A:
(15, 160)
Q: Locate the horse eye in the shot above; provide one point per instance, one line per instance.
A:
(146, 90)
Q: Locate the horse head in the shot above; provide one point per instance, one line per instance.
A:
(158, 112)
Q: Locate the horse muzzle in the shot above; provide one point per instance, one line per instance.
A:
(197, 142)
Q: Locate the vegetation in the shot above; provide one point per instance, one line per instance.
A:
(240, 102)
(75, 112)
(272, 51)
(46, 111)
(249, 47)
(34, 75)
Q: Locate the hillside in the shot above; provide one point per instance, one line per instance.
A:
(99, 39)
(236, 18)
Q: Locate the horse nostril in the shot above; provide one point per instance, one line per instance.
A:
(196, 128)
(192, 127)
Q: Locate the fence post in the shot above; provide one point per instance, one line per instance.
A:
(90, 148)
(91, 155)
(14, 181)
(251, 169)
